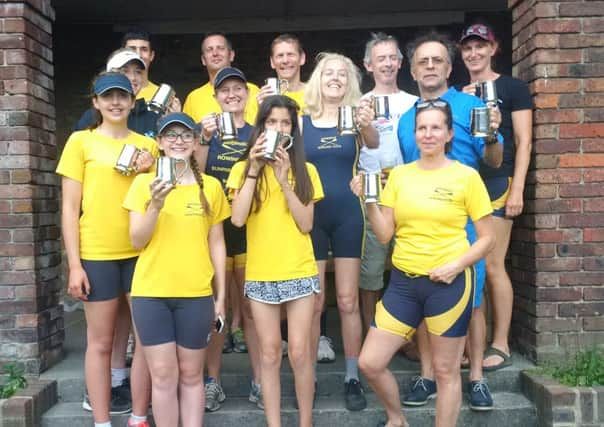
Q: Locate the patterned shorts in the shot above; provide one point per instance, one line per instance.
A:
(281, 291)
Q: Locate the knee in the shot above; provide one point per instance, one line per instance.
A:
(101, 346)
(271, 355)
(445, 372)
(348, 304)
(369, 367)
(165, 377)
(298, 354)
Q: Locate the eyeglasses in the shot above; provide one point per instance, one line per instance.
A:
(173, 136)
(432, 103)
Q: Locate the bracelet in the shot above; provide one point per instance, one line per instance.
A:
(252, 176)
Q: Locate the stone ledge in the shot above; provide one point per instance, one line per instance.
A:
(563, 406)
(25, 408)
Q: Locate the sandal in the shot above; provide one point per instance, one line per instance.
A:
(492, 351)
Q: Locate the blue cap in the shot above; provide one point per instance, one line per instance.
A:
(109, 81)
(228, 73)
(172, 118)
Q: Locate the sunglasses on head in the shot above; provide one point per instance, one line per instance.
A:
(432, 103)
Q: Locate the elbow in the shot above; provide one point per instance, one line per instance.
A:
(237, 222)
(137, 244)
(305, 228)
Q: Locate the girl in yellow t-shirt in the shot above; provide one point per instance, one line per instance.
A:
(95, 231)
(178, 228)
(426, 205)
(275, 200)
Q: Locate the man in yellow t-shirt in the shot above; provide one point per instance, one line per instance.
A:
(287, 59)
(216, 53)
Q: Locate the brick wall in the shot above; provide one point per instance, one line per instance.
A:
(558, 251)
(31, 320)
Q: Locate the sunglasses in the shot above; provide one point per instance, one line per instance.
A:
(432, 103)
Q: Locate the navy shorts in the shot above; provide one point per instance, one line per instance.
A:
(341, 230)
(109, 279)
(446, 309)
(498, 188)
(234, 239)
(186, 321)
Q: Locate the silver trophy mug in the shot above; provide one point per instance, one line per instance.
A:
(226, 126)
(273, 140)
(381, 107)
(487, 91)
(279, 86)
(371, 187)
(481, 122)
(126, 161)
(161, 100)
(346, 120)
(166, 169)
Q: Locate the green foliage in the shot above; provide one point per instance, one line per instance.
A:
(14, 382)
(584, 369)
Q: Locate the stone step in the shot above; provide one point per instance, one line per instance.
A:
(511, 410)
(236, 376)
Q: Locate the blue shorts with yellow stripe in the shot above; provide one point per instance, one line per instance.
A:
(499, 190)
(408, 300)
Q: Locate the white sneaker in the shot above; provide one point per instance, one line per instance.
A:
(325, 352)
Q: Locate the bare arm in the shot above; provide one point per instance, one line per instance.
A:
(368, 135)
(493, 153)
(77, 284)
(218, 257)
(242, 201)
(522, 124)
(380, 217)
(482, 246)
(143, 224)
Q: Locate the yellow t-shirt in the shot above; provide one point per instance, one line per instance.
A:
(201, 102)
(176, 262)
(297, 96)
(276, 248)
(147, 92)
(431, 208)
(89, 158)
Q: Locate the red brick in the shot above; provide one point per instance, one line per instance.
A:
(593, 25)
(19, 220)
(546, 131)
(581, 190)
(583, 278)
(553, 56)
(595, 145)
(584, 70)
(594, 205)
(582, 130)
(559, 294)
(23, 176)
(581, 309)
(546, 101)
(593, 235)
(559, 264)
(571, 220)
(16, 192)
(593, 264)
(580, 40)
(546, 10)
(578, 100)
(594, 85)
(22, 206)
(12, 249)
(582, 8)
(558, 116)
(591, 294)
(556, 25)
(17, 277)
(581, 250)
(553, 146)
(557, 325)
(546, 161)
(594, 115)
(581, 160)
(553, 206)
(549, 176)
(593, 323)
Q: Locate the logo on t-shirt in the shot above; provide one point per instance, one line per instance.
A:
(442, 194)
(329, 142)
(193, 209)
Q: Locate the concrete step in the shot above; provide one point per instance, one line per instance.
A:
(511, 410)
(236, 376)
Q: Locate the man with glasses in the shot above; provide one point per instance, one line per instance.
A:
(431, 57)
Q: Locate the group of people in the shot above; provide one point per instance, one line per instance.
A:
(242, 227)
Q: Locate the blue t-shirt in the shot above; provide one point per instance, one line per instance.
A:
(465, 148)
(222, 155)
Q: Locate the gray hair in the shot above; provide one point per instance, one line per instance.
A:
(377, 38)
(432, 36)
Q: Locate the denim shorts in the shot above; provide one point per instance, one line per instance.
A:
(281, 291)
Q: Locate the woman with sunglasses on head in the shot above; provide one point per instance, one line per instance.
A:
(505, 184)
(95, 232)
(177, 225)
(339, 221)
(425, 205)
(274, 196)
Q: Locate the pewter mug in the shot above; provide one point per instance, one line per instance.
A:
(371, 187)
(166, 169)
(162, 98)
(481, 122)
(226, 126)
(279, 86)
(381, 107)
(126, 162)
(273, 140)
(346, 120)
(487, 91)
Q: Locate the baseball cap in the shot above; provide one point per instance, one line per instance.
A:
(105, 82)
(228, 73)
(122, 58)
(478, 30)
(172, 118)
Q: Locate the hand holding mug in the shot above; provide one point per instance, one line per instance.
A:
(365, 113)
(144, 161)
(281, 165)
(208, 126)
(256, 155)
(495, 117)
(356, 185)
(159, 191)
(470, 89)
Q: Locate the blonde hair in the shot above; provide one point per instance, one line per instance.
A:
(313, 98)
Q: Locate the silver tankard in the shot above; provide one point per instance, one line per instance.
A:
(227, 131)
(166, 169)
(126, 162)
(273, 140)
(279, 86)
(346, 120)
(161, 100)
(371, 187)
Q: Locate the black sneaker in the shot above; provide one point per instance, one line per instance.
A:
(422, 390)
(354, 396)
(118, 404)
(123, 390)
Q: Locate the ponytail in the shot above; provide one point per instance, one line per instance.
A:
(199, 178)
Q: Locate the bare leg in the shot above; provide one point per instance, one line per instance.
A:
(267, 318)
(368, 301)
(376, 354)
(235, 299)
(299, 315)
(477, 337)
(214, 349)
(347, 293)
(249, 329)
(163, 365)
(190, 386)
(319, 306)
(425, 351)
(100, 327)
(446, 359)
(140, 378)
(120, 337)
(500, 289)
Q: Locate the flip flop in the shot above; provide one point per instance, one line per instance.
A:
(492, 351)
